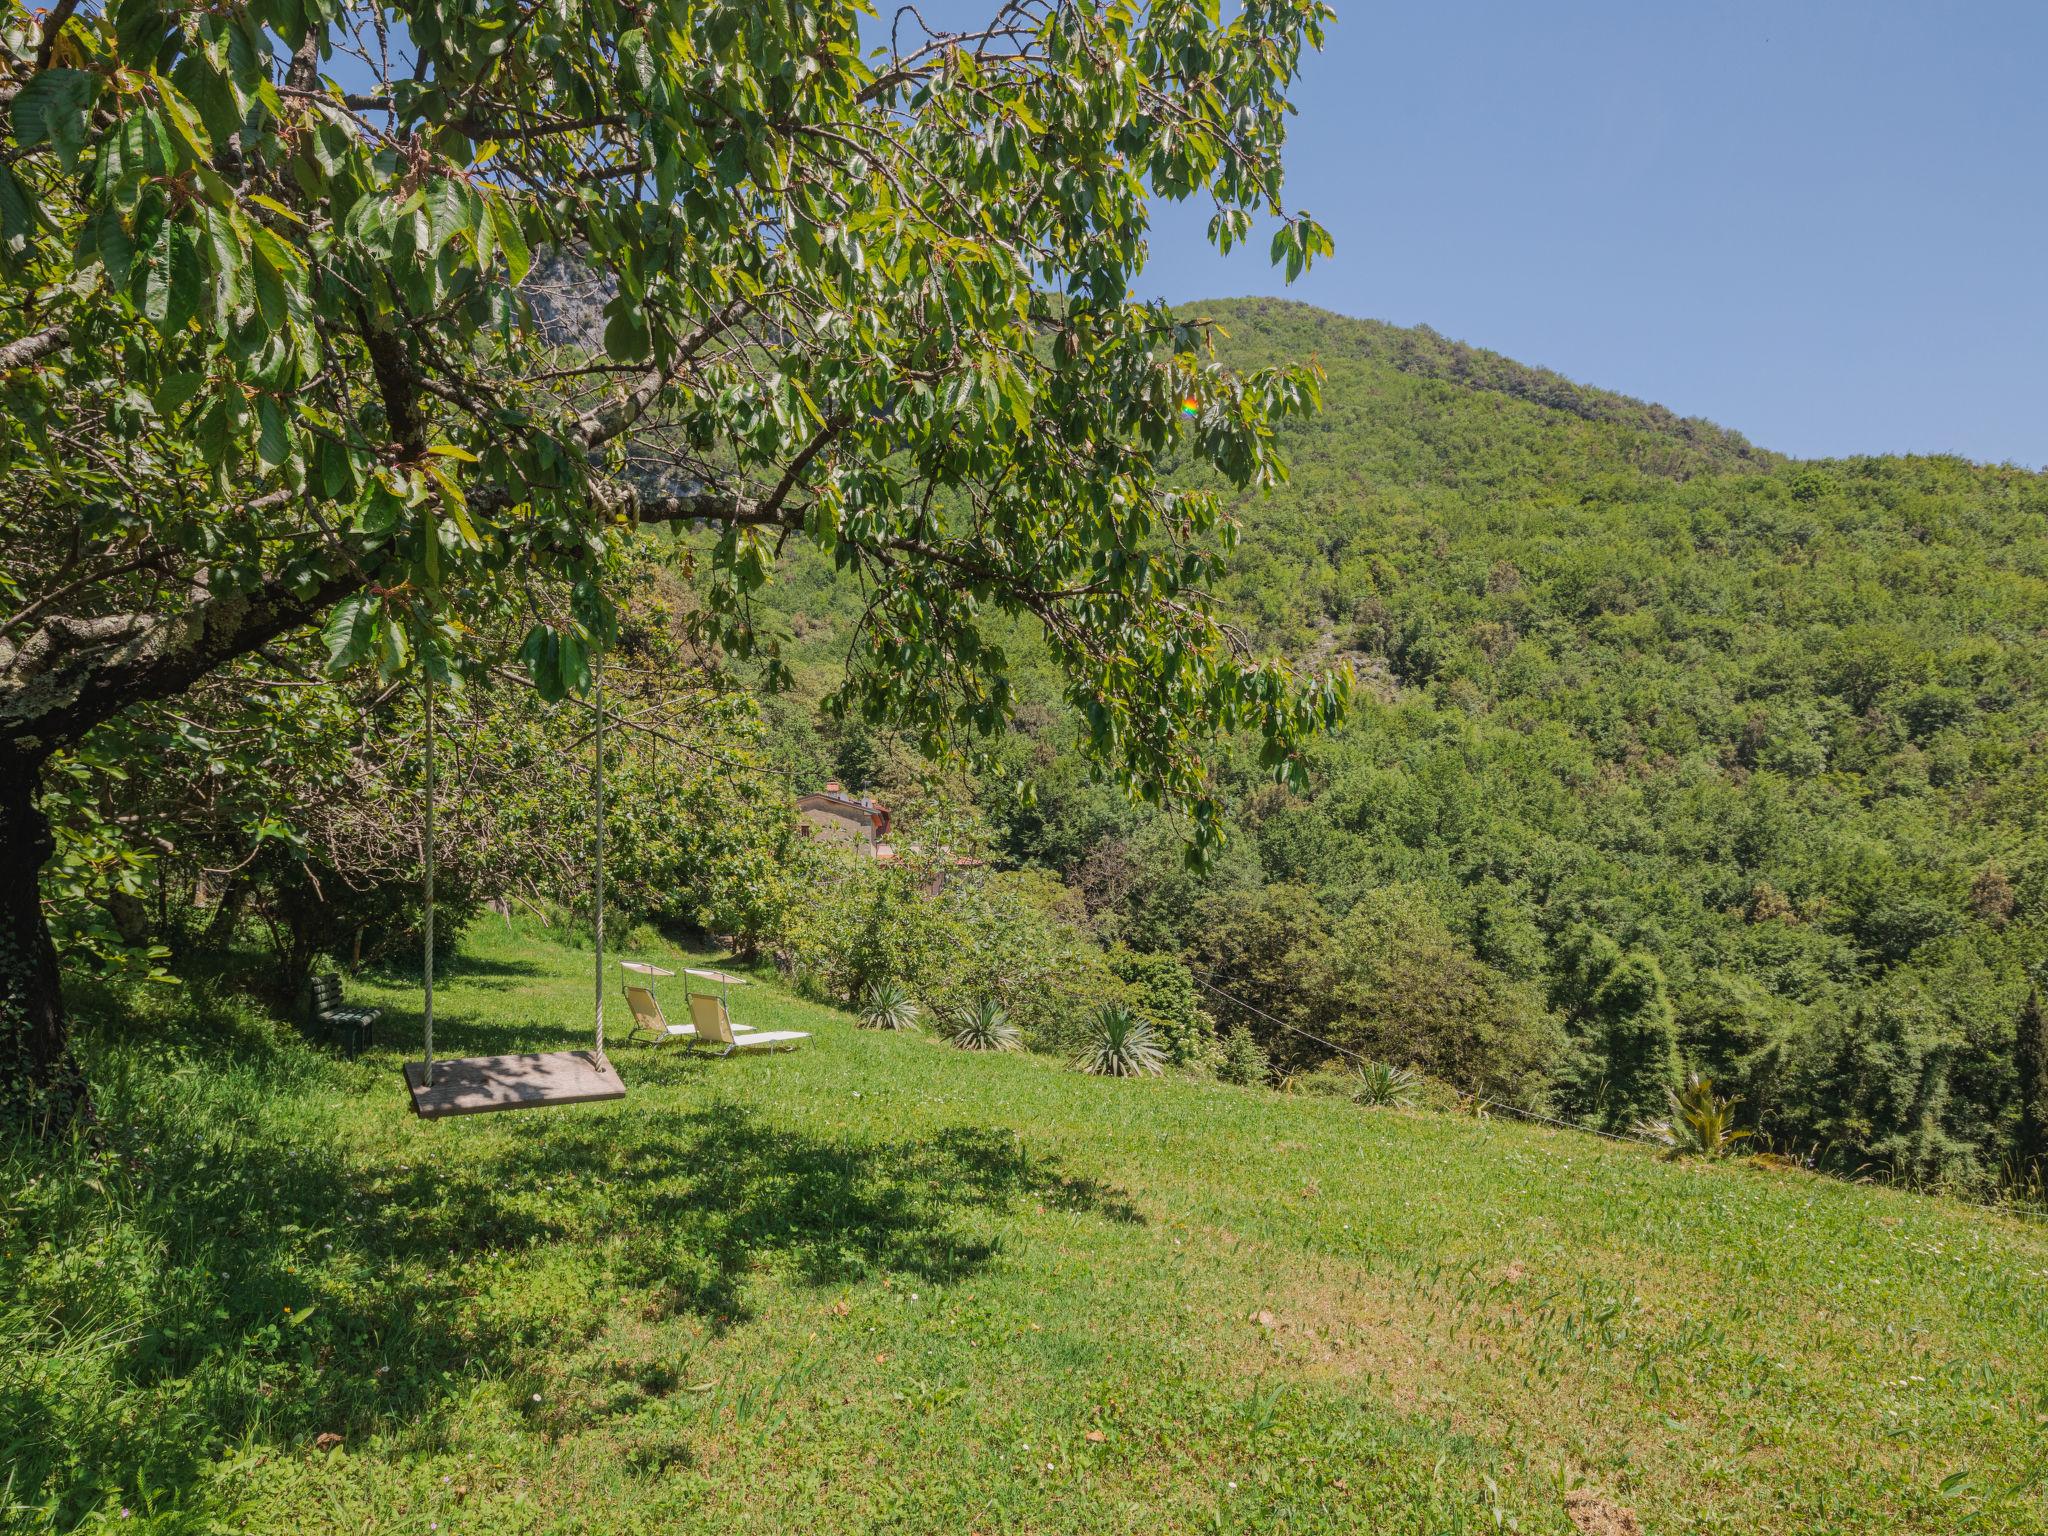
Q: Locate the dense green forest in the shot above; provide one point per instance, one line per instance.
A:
(1670, 753)
(1666, 755)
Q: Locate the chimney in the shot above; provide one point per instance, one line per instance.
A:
(832, 787)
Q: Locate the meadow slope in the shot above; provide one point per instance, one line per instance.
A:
(882, 1285)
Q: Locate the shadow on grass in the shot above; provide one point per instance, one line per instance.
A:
(278, 1284)
(471, 970)
(474, 1032)
(714, 1193)
(468, 967)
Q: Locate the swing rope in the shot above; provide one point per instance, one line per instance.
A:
(427, 862)
(427, 962)
(597, 801)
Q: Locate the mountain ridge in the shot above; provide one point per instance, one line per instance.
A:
(1421, 351)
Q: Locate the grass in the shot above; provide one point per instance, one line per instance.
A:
(878, 1284)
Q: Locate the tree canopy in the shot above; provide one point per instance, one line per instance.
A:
(293, 333)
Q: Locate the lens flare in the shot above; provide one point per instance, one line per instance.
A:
(1191, 406)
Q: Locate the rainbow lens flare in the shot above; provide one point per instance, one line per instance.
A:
(1191, 406)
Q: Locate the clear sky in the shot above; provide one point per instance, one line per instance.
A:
(1823, 223)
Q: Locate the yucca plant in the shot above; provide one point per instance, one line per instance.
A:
(1382, 1085)
(985, 1027)
(1701, 1122)
(1475, 1104)
(887, 1005)
(1120, 1044)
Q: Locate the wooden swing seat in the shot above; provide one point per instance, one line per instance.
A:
(477, 1085)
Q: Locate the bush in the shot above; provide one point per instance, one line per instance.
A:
(1243, 1060)
(1161, 991)
(1015, 938)
(865, 923)
(985, 1027)
(2030, 1066)
(1701, 1122)
(887, 1005)
(1401, 989)
(1874, 1082)
(1006, 938)
(1263, 946)
(1382, 1085)
(1120, 1044)
(1624, 1033)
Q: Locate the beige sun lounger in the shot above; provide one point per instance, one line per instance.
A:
(650, 1023)
(714, 1024)
(648, 1020)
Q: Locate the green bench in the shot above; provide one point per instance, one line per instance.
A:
(346, 1028)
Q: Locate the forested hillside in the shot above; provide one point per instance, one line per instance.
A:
(1670, 754)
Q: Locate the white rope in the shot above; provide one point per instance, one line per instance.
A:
(427, 964)
(597, 902)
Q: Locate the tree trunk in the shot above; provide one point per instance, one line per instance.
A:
(227, 914)
(40, 1084)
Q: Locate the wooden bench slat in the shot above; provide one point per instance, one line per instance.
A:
(476, 1085)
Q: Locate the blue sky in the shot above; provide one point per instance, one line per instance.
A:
(1820, 223)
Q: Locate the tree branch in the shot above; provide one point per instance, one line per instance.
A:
(33, 349)
(609, 420)
(60, 14)
(70, 674)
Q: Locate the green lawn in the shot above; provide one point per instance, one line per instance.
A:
(879, 1284)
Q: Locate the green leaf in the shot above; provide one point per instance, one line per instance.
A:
(176, 390)
(573, 659)
(448, 212)
(55, 107)
(636, 60)
(215, 431)
(175, 283)
(116, 251)
(185, 120)
(542, 654)
(625, 333)
(333, 473)
(265, 200)
(274, 438)
(291, 266)
(348, 632)
(511, 239)
(212, 97)
(17, 217)
(430, 546)
(271, 300)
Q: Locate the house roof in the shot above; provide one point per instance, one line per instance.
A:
(836, 801)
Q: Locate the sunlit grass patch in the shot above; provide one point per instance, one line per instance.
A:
(882, 1282)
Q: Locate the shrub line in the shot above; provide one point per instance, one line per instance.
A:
(1551, 1120)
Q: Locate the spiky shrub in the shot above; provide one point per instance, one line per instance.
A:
(985, 1027)
(1382, 1085)
(1701, 1122)
(1120, 1044)
(887, 1005)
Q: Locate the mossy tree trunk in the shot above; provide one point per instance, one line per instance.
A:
(39, 1080)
